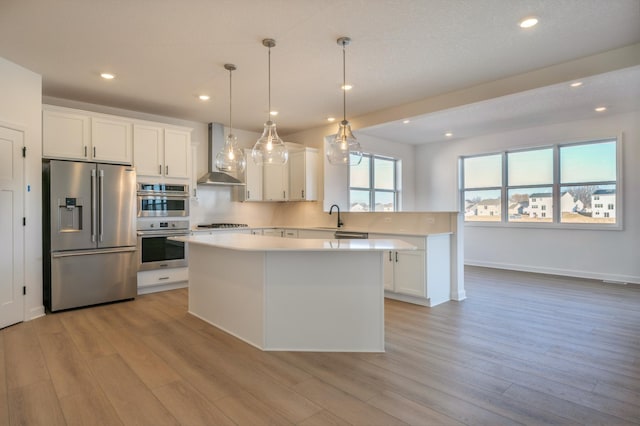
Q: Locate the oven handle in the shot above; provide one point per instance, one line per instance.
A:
(160, 233)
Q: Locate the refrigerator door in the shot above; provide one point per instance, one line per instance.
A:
(116, 206)
(89, 277)
(71, 204)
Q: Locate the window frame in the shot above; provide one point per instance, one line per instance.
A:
(556, 189)
(372, 189)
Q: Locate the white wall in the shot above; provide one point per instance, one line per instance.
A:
(20, 108)
(599, 254)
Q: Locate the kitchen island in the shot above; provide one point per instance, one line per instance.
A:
(291, 294)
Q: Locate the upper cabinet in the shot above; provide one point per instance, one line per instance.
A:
(177, 147)
(79, 135)
(155, 149)
(303, 175)
(161, 152)
(296, 180)
(111, 140)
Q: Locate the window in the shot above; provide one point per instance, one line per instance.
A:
(373, 183)
(566, 183)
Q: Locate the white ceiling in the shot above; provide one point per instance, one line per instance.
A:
(166, 52)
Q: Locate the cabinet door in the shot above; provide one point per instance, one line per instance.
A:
(65, 135)
(409, 273)
(297, 181)
(111, 140)
(252, 178)
(148, 151)
(272, 232)
(276, 182)
(387, 267)
(177, 148)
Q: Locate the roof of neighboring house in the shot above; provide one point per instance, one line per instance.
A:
(604, 191)
(490, 202)
(540, 195)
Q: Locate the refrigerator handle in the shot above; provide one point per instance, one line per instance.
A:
(101, 203)
(94, 209)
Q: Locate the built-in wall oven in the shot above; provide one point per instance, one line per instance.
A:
(163, 200)
(155, 249)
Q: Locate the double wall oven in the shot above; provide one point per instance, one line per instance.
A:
(163, 211)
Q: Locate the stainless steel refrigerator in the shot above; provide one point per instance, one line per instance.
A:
(89, 231)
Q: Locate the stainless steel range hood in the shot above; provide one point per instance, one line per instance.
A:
(215, 145)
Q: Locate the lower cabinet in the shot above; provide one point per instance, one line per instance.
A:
(419, 276)
(162, 279)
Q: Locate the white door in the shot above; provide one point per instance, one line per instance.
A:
(11, 230)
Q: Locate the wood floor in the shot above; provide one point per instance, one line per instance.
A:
(522, 349)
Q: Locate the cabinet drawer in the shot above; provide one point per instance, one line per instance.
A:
(162, 276)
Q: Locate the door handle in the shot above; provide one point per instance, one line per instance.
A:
(101, 203)
(94, 207)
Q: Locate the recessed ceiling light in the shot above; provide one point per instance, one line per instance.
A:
(576, 84)
(448, 134)
(346, 87)
(331, 119)
(107, 76)
(600, 109)
(406, 121)
(528, 22)
(204, 97)
(273, 113)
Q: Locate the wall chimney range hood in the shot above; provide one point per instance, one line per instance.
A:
(215, 144)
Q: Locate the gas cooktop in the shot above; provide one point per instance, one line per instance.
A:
(223, 225)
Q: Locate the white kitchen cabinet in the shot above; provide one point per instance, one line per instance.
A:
(252, 178)
(275, 185)
(256, 231)
(303, 175)
(419, 276)
(80, 135)
(162, 279)
(65, 134)
(290, 233)
(148, 150)
(273, 232)
(177, 150)
(111, 140)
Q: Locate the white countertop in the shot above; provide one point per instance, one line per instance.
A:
(247, 242)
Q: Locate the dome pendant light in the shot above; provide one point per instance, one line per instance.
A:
(344, 149)
(269, 149)
(230, 159)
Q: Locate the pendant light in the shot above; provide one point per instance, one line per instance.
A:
(344, 149)
(230, 159)
(269, 149)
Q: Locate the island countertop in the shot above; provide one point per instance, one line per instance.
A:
(246, 242)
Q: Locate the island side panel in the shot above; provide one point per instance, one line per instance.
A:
(226, 289)
(324, 301)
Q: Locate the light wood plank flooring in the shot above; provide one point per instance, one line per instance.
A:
(522, 349)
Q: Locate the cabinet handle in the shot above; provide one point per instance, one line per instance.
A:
(166, 170)
(303, 193)
(284, 194)
(248, 194)
(94, 151)
(85, 150)
(163, 278)
(396, 257)
(159, 169)
(390, 259)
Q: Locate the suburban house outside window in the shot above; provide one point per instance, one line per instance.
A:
(373, 184)
(566, 183)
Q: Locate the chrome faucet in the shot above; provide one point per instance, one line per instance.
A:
(340, 224)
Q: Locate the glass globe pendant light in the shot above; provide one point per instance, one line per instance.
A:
(269, 149)
(344, 149)
(230, 159)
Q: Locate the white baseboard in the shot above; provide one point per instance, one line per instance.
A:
(618, 278)
(34, 313)
(163, 287)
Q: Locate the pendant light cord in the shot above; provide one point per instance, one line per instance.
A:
(344, 84)
(230, 103)
(269, 74)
